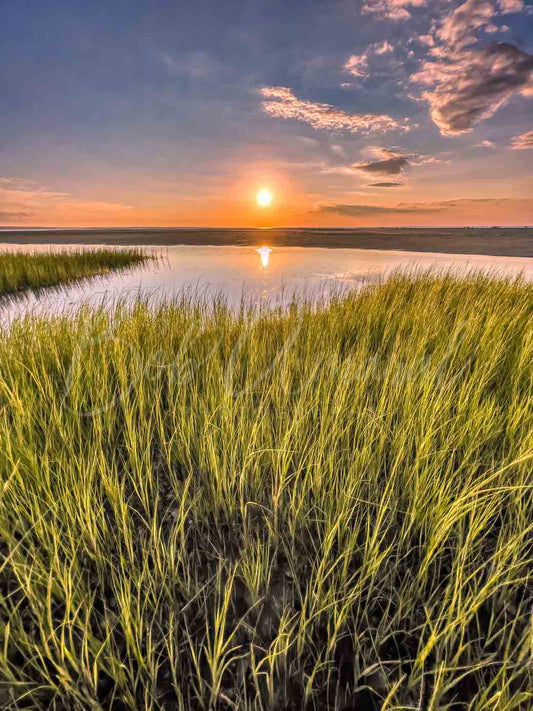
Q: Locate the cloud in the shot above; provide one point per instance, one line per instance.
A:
(338, 170)
(309, 141)
(468, 82)
(363, 210)
(428, 39)
(471, 85)
(338, 150)
(404, 208)
(196, 64)
(282, 103)
(357, 65)
(384, 47)
(508, 6)
(21, 199)
(523, 141)
(486, 144)
(17, 183)
(9, 217)
(457, 27)
(383, 185)
(391, 9)
(392, 163)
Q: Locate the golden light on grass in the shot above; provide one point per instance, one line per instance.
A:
(264, 197)
(385, 472)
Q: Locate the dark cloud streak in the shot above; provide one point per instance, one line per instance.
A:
(388, 166)
(364, 210)
(384, 185)
(406, 208)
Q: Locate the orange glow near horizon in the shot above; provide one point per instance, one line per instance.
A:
(250, 201)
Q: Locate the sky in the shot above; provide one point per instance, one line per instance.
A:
(353, 113)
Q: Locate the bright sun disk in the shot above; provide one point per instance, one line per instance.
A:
(264, 197)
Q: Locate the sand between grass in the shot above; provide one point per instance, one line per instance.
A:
(323, 508)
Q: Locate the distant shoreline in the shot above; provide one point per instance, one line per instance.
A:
(501, 241)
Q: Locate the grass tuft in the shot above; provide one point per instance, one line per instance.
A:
(21, 271)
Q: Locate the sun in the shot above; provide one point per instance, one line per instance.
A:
(264, 197)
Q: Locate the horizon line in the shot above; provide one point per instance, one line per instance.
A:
(27, 228)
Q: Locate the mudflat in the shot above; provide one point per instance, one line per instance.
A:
(496, 241)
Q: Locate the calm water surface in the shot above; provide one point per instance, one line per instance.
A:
(265, 276)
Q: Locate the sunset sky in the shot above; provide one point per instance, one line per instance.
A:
(352, 113)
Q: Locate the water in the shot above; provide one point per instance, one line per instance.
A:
(262, 276)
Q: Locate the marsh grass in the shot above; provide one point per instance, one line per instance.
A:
(20, 271)
(318, 508)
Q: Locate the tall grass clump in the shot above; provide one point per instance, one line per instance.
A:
(20, 271)
(311, 509)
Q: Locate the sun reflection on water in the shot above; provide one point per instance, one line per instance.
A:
(264, 253)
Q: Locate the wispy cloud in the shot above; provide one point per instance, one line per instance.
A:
(391, 9)
(523, 141)
(9, 217)
(467, 82)
(22, 199)
(18, 184)
(280, 102)
(338, 150)
(357, 64)
(196, 64)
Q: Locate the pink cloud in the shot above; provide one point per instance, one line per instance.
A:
(457, 28)
(391, 9)
(357, 65)
(523, 141)
(282, 103)
(508, 6)
(383, 47)
(426, 39)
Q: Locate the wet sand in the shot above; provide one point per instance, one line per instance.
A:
(498, 241)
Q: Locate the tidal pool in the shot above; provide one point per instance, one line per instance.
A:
(261, 276)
